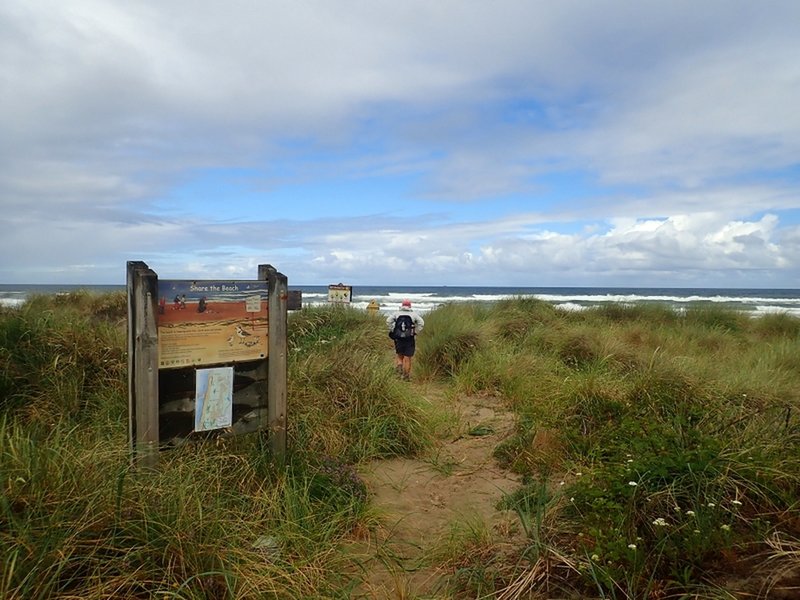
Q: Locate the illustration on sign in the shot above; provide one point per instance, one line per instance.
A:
(214, 399)
(211, 322)
(340, 293)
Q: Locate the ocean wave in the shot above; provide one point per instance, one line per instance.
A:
(771, 310)
(425, 302)
(12, 302)
(425, 299)
(571, 306)
(635, 298)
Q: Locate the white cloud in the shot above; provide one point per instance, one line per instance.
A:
(680, 118)
(643, 249)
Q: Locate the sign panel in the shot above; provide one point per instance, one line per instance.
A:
(340, 293)
(211, 322)
(295, 300)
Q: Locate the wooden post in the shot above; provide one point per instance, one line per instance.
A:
(277, 357)
(142, 363)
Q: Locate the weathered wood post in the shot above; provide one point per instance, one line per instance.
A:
(142, 364)
(277, 377)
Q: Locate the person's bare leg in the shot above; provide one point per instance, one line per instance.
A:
(407, 367)
(398, 363)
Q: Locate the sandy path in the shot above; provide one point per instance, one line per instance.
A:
(419, 500)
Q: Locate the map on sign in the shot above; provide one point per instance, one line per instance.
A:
(211, 322)
(214, 399)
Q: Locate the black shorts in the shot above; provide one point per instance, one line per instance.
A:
(405, 346)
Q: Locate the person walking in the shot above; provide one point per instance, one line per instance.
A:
(404, 325)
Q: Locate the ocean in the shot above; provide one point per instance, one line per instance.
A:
(426, 298)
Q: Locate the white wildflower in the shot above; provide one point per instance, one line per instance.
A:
(725, 527)
(710, 505)
(632, 483)
(736, 503)
(690, 513)
(632, 546)
(595, 558)
(660, 522)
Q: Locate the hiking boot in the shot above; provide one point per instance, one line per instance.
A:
(406, 376)
(399, 370)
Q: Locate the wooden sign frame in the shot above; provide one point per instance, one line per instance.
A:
(162, 394)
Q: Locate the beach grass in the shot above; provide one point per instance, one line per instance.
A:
(217, 519)
(665, 442)
(658, 451)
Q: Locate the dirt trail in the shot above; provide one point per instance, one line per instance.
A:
(419, 500)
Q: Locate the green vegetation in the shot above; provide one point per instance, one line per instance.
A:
(218, 519)
(661, 451)
(660, 454)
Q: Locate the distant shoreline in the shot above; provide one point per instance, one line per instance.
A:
(755, 301)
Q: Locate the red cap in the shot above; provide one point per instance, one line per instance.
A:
(407, 303)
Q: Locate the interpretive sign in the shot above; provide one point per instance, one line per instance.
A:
(340, 293)
(213, 399)
(211, 322)
(205, 358)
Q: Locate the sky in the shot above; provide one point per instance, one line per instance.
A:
(375, 142)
